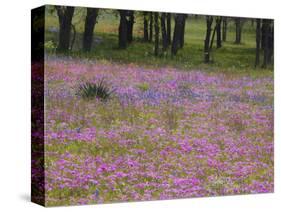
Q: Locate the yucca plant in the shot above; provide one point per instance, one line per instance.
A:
(98, 90)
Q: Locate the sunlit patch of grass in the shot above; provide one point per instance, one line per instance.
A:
(143, 86)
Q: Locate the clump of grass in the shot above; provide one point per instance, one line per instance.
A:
(143, 86)
(184, 86)
(50, 46)
(236, 123)
(171, 117)
(100, 90)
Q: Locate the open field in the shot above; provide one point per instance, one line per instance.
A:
(165, 133)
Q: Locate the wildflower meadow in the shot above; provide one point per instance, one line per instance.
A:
(164, 133)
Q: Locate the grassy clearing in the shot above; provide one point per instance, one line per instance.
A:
(230, 58)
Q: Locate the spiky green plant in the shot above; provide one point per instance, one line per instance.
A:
(98, 90)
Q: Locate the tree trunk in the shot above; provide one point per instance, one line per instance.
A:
(73, 37)
(178, 37)
(258, 42)
(150, 26)
(238, 30)
(182, 32)
(271, 40)
(145, 27)
(224, 29)
(156, 28)
(130, 25)
(90, 22)
(164, 32)
(262, 36)
(218, 31)
(213, 38)
(65, 15)
(252, 22)
(209, 21)
(266, 43)
(169, 28)
(122, 35)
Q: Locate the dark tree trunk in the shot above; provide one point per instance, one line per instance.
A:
(130, 25)
(178, 37)
(90, 22)
(145, 27)
(218, 31)
(271, 40)
(213, 38)
(122, 35)
(156, 28)
(252, 22)
(262, 36)
(182, 32)
(267, 41)
(73, 36)
(164, 32)
(150, 26)
(209, 21)
(169, 28)
(65, 15)
(266, 28)
(258, 42)
(238, 30)
(224, 29)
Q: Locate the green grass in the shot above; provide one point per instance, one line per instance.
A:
(230, 58)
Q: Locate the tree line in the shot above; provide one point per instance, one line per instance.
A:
(157, 29)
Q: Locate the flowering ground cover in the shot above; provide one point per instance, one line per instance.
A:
(165, 133)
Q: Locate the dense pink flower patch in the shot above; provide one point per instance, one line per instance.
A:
(165, 133)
